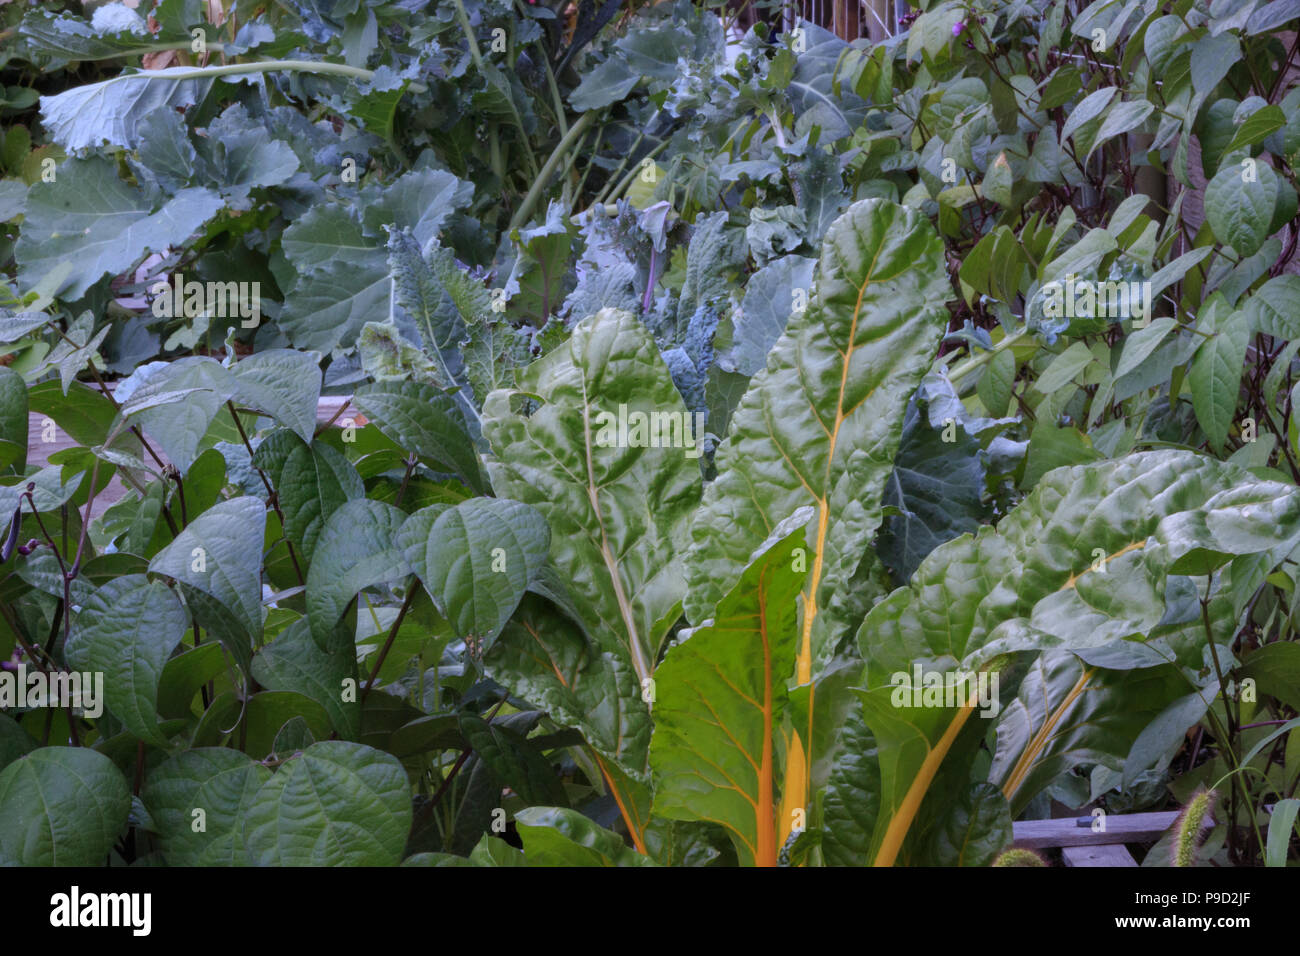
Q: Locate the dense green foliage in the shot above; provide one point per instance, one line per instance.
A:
(718, 402)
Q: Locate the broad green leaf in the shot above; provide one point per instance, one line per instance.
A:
(1216, 377)
(546, 658)
(1089, 552)
(978, 829)
(821, 424)
(1239, 204)
(284, 383)
(476, 560)
(1067, 713)
(335, 804)
(852, 798)
(721, 699)
(220, 554)
(1274, 309)
(617, 504)
(197, 801)
(314, 482)
(295, 662)
(61, 806)
(1281, 826)
(426, 421)
(555, 836)
(13, 421)
(126, 630)
(937, 485)
(101, 224)
(356, 549)
(109, 112)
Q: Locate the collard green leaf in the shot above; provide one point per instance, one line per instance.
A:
(211, 786)
(126, 630)
(101, 225)
(61, 806)
(109, 112)
(770, 298)
(335, 804)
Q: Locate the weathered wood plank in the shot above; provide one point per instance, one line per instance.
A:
(1106, 854)
(1077, 831)
(1072, 831)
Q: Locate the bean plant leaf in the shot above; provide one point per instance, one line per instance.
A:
(197, 801)
(476, 559)
(61, 806)
(335, 804)
(219, 553)
(126, 631)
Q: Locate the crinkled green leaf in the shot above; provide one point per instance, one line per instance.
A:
(335, 804)
(126, 630)
(617, 513)
(220, 554)
(61, 806)
(821, 424)
(197, 801)
(476, 559)
(721, 699)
